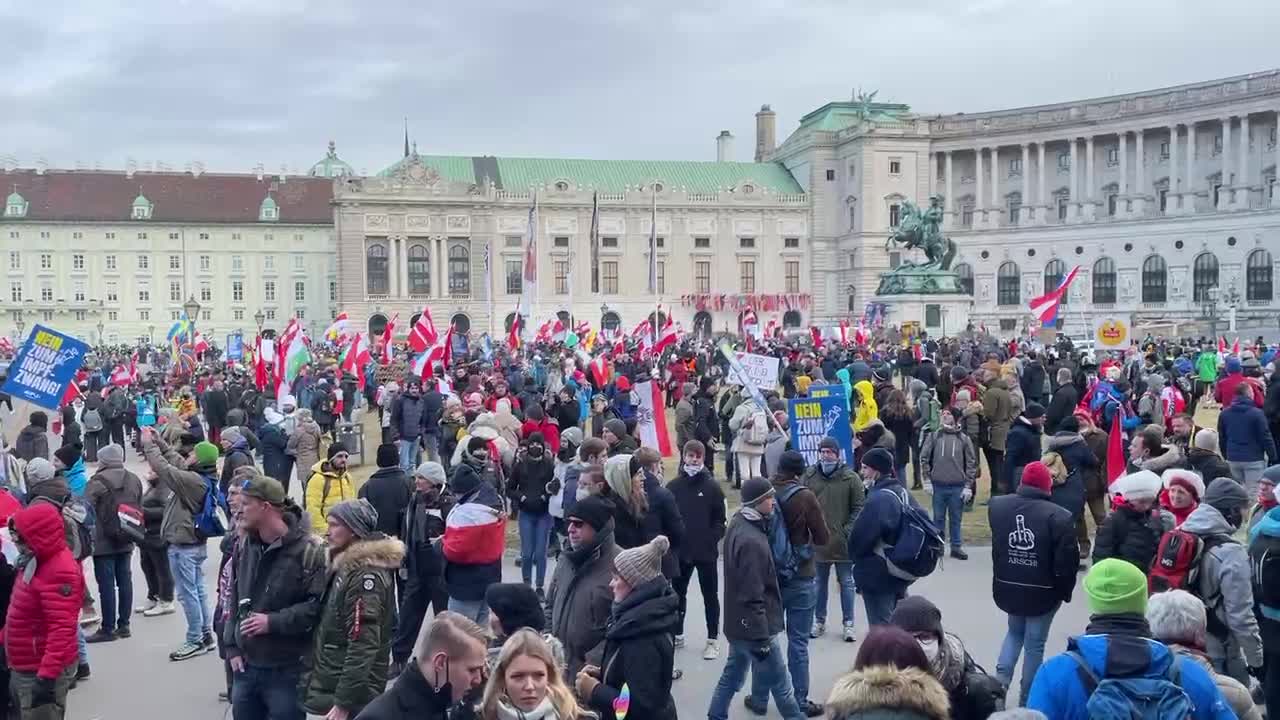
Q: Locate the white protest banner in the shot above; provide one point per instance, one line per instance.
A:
(759, 372)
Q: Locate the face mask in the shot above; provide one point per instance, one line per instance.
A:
(828, 466)
(930, 648)
(583, 493)
(692, 470)
(535, 451)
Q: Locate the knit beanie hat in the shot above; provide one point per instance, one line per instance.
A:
(1206, 439)
(232, 435)
(791, 464)
(617, 427)
(358, 515)
(1138, 486)
(338, 449)
(39, 470)
(594, 511)
(516, 606)
(67, 455)
(1225, 494)
(1114, 586)
(639, 565)
(432, 471)
(829, 443)
(388, 455)
(111, 456)
(1271, 474)
(1185, 479)
(880, 460)
(206, 453)
(756, 489)
(1034, 410)
(1036, 474)
(916, 614)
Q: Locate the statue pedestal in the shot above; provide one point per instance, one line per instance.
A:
(939, 314)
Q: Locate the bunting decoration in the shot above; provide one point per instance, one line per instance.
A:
(764, 302)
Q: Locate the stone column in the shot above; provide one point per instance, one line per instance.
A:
(1224, 195)
(1073, 190)
(1189, 180)
(402, 269)
(1245, 181)
(1090, 192)
(1275, 200)
(952, 207)
(933, 173)
(439, 289)
(1122, 203)
(997, 204)
(1140, 173)
(1027, 213)
(980, 200)
(1175, 186)
(1042, 200)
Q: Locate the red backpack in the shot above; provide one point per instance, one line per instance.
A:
(1176, 565)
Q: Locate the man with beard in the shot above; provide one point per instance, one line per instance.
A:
(353, 639)
(579, 601)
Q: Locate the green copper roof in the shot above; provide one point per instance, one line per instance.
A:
(141, 201)
(15, 199)
(612, 175)
(840, 115)
(331, 165)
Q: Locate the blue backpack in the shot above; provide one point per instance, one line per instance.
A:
(787, 558)
(211, 519)
(1135, 698)
(917, 545)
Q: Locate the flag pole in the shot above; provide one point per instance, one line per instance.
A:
(653, 269)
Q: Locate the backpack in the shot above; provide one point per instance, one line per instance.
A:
(933, 420)
(1177, 565)
(1134, 697)
(1264, 559)
(758, 432)
(787, 558)
(917, 545)
(210, 519)
(91, 420)
(79, 520)
(123, 522)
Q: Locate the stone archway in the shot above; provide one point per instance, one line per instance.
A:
(377, 325)
(461, 323)
(702, 324)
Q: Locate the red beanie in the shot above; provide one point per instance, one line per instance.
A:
(1037, 475)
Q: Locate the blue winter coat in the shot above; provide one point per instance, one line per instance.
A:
(1244, 433)
(77, 479)
(1057, 690)
(877, 525)
(275, 463)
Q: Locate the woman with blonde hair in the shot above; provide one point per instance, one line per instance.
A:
(526, 684)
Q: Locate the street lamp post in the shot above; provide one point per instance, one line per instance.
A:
(1209, 309)
(192, 308)
(100, 328)
(151, 334)
(21, 324)
(259, 318)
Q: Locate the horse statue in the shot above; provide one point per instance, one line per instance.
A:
(919, 228)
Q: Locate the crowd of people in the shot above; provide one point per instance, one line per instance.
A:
(386, 598)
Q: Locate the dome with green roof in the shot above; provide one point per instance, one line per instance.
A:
(331, 166)
(269, 211)
(15, 205)
(141, 207)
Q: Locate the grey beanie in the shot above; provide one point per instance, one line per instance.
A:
(1226, 494)
(39, 470)
(432, 471)
(1206, 439)
(617, 427)
(1272, 474)
(111, 456)
(358, 515)
(232, 435)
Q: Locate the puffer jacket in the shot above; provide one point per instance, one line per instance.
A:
(639, 653)
(353, 640)
(1226, 585)
(1131, 535)
(881, 692)
(304, 444)
(44, 609)
(841, 496)
(326, 487)
(32, 442)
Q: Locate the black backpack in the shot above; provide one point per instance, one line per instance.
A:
(1264, 560)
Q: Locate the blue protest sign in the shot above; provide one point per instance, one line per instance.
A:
(45, 365)
(235, 346)
(822, 414)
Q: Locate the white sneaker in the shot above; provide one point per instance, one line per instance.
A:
(144, 607)
(679, 641)
(849, 634)
(818, 629)
(164, 608)
(711, 651)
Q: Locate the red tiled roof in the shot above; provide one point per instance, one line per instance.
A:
(96, 196)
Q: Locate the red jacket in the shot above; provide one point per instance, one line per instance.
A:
(550, 432)
(1225, 393)
(44, 610)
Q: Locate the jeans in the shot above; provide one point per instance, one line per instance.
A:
(768, 672)
(431, 442)
(902, 473)
(409, 455)
(1248, 474)
(115, 580)
(187, 563)
(1271, 682)
(880, 605)
(1029, 634)
(947, 499)
(709, 584)
(535, 531)
(475, 610)
(266, 693)
(844, 578)
(797, 610)
(22, 686)
(155, 567)
(82, 647)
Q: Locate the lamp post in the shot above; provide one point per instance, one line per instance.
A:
(151, 334)
(258, 318)
(192, 308)
(21, 324)
(100, 328)
(1209, 309)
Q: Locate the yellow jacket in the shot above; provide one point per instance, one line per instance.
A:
(867, 408)
(326, 488)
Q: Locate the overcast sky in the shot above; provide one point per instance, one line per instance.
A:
(235, 82)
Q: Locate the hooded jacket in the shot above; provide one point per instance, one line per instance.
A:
(111, 486)
(1130, 535)
(997, 408)
(388, 489)
(867, 410)
(304, 444)
(1082, 468)
(353, 640)
(187, 488)
(326, 487)
(948, 458)
(44, 609)
(236, 457)
(1226, 583)
(276, 462)
(639, 652)
(1022, 446)
(579, 601)
(882, 692)
(1245, 435)
(32, 442)
(841, 496)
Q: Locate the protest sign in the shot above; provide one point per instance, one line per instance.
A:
(45, 365)
(757, 371)
(235, 346)
(736, 368)
(822, 414)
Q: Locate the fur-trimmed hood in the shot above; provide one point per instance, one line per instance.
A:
(1171, 457)
(382, 552)
(910, 692)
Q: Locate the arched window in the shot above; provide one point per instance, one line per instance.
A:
(1008, 282)
(1155, 280)
(661, 321)
(1257, 278)
(610, 321)
(377, 279)
(1054, 273)
(791, 319)
(702, 324)
(419, 271)
(459, 270)
(511, 318)
(1204, 275)
(965, 273)
(461, 323)
(377, 325)
(1104, 281)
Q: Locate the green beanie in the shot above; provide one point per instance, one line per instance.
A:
(1116, 586)
(206, 453)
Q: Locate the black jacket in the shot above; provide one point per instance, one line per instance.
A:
(1209, 464)
(663, 518)
(153, 502)
(409, 697)
(423, 523)
(433, 409)
(408, 417)
(388, 490)
(1064, 402)
(235, 458)
(1033, 375)
(1129, 535)
(639, 651)
(275, 462)
(701, 505)
(1080, 462)
(527, 486)
(286, 580)
(108, 488)
(752, 600)
(215, 408)
(1021, 446)
(32, 442)
(706, 424)
(1034, 553)
(927, 373)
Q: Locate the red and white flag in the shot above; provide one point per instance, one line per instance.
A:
(339, 328)
(474, 534)
(356, 357)
(651, 421)
(6, 345)
(750, 323)
(1235, 347)
(388, 340)
(666, 337)
(263, 356)
(816, 334)
(120, 376)
(600, 370)
(199, 344)
(423, 335)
